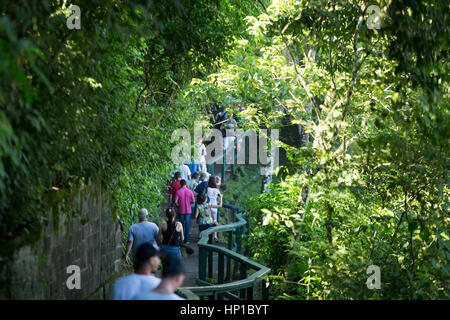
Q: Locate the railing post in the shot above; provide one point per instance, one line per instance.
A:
(202, 264)
(230, 240)
(247, 232)
(220, 278)
(238, 247)
(221, 271)
(230, 246)
(250, 293)
(222, 173)
(243, 275)
(211, 168)
(210, 260)
(239, 239)
(265, 290)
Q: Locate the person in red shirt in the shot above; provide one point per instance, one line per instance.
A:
(183, 199)
(175, 186)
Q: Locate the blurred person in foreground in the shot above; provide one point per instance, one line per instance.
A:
(146, 262)
(172, 278)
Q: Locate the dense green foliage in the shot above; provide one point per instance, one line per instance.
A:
(245, 183)
(100, 102)
(369, 184)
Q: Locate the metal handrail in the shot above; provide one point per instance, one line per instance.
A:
(225, 288)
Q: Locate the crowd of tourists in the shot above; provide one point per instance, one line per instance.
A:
(193, 193)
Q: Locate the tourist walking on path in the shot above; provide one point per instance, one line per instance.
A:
(174, 187)
(146, 262)
(218, 181)
(215, 200)
(184, 171)
(201, 155)
(172, 278)
(214, 196)
(141, 232)
(183, 199)
(204, 213)
(203, 185)
(193, 182)
(172, 235)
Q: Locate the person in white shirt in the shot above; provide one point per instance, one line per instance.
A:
(185, 172)
(172, 279)
(201, 154)
(145, 263)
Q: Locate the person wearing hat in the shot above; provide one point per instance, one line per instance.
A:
(146, 262)
(141, 232)
(172, 278)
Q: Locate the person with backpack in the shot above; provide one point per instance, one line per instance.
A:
(172, 235)
(193, 182)
(204, 213)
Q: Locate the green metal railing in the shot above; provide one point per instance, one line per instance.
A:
(237, 275)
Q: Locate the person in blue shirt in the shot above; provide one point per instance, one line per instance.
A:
(141, 232)
(193, 166)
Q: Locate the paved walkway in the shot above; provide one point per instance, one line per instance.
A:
(191, 261)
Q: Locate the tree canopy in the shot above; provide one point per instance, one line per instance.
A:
(366, 185)
(100, 102)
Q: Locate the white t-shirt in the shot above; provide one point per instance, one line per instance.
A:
(201, 152)
(213, 197)
(127, 287)
(150, 295)
(185, 171)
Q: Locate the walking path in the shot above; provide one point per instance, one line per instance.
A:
(190, 261)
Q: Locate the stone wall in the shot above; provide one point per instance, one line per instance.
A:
(88, 238)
